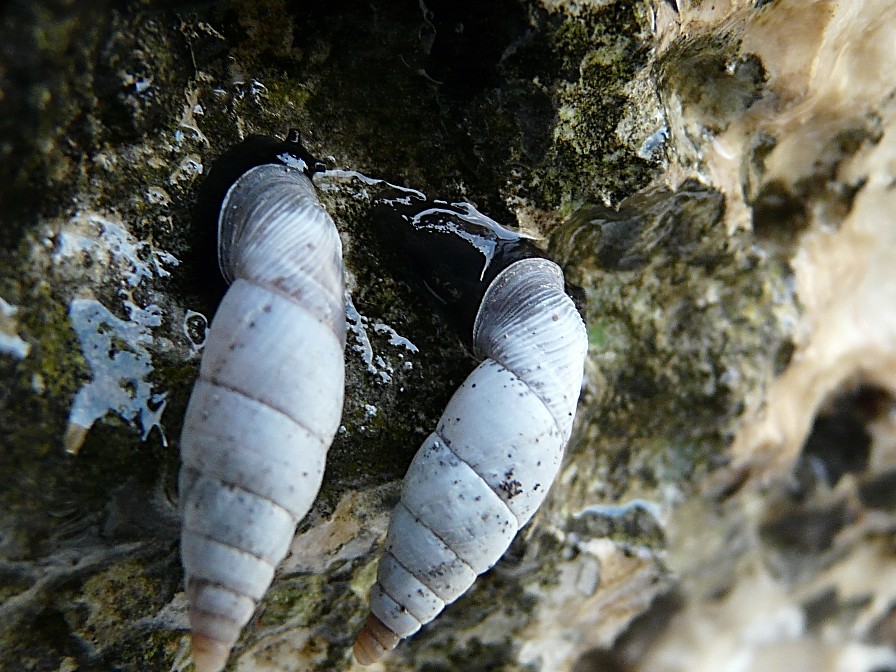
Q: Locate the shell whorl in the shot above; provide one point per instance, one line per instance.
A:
(272, 231)
(546, 347)
(267, 403)
(493, 456)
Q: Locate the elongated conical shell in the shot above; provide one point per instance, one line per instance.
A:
(495, 452)
(267, 403)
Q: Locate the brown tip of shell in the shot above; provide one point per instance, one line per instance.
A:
(209, 655)
(74, 437)
(374, 641)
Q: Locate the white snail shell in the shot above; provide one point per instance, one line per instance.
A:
(495, 452)
(267, 403)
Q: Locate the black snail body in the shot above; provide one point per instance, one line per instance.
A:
(269, 396)
(254, 151)
(451, 251)
(487, 467)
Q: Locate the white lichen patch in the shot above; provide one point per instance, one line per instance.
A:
(115, 350)
(10, 341)
(394, 337)
(353, 184)
(355, 322)
(99, 247)
(101, 244)
(377, 364)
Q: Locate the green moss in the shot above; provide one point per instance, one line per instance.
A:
(364, 577)
(56, 355)
(597, 336)
(601, 52)
(572, 42)
(145, 648)
(285, 94)
(88, 618)
(297, 600)
(113, 599)
(157, 648)
(689, 331)
(40, 387)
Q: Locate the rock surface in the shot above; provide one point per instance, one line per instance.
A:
(717, 176)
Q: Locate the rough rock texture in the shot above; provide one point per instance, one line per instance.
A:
(717, 176)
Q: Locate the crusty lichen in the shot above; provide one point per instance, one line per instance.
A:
(682, 322)
(782, 562)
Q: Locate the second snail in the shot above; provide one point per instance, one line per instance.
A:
(488, 465)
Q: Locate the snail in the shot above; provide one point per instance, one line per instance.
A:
(268, 401)
(485, 470)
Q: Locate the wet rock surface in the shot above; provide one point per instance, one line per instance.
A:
(715, 180)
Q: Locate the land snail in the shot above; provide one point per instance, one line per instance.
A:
(485, 470)
(268, 401)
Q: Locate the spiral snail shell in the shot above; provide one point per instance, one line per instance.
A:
(496, 449)
(268, 400)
